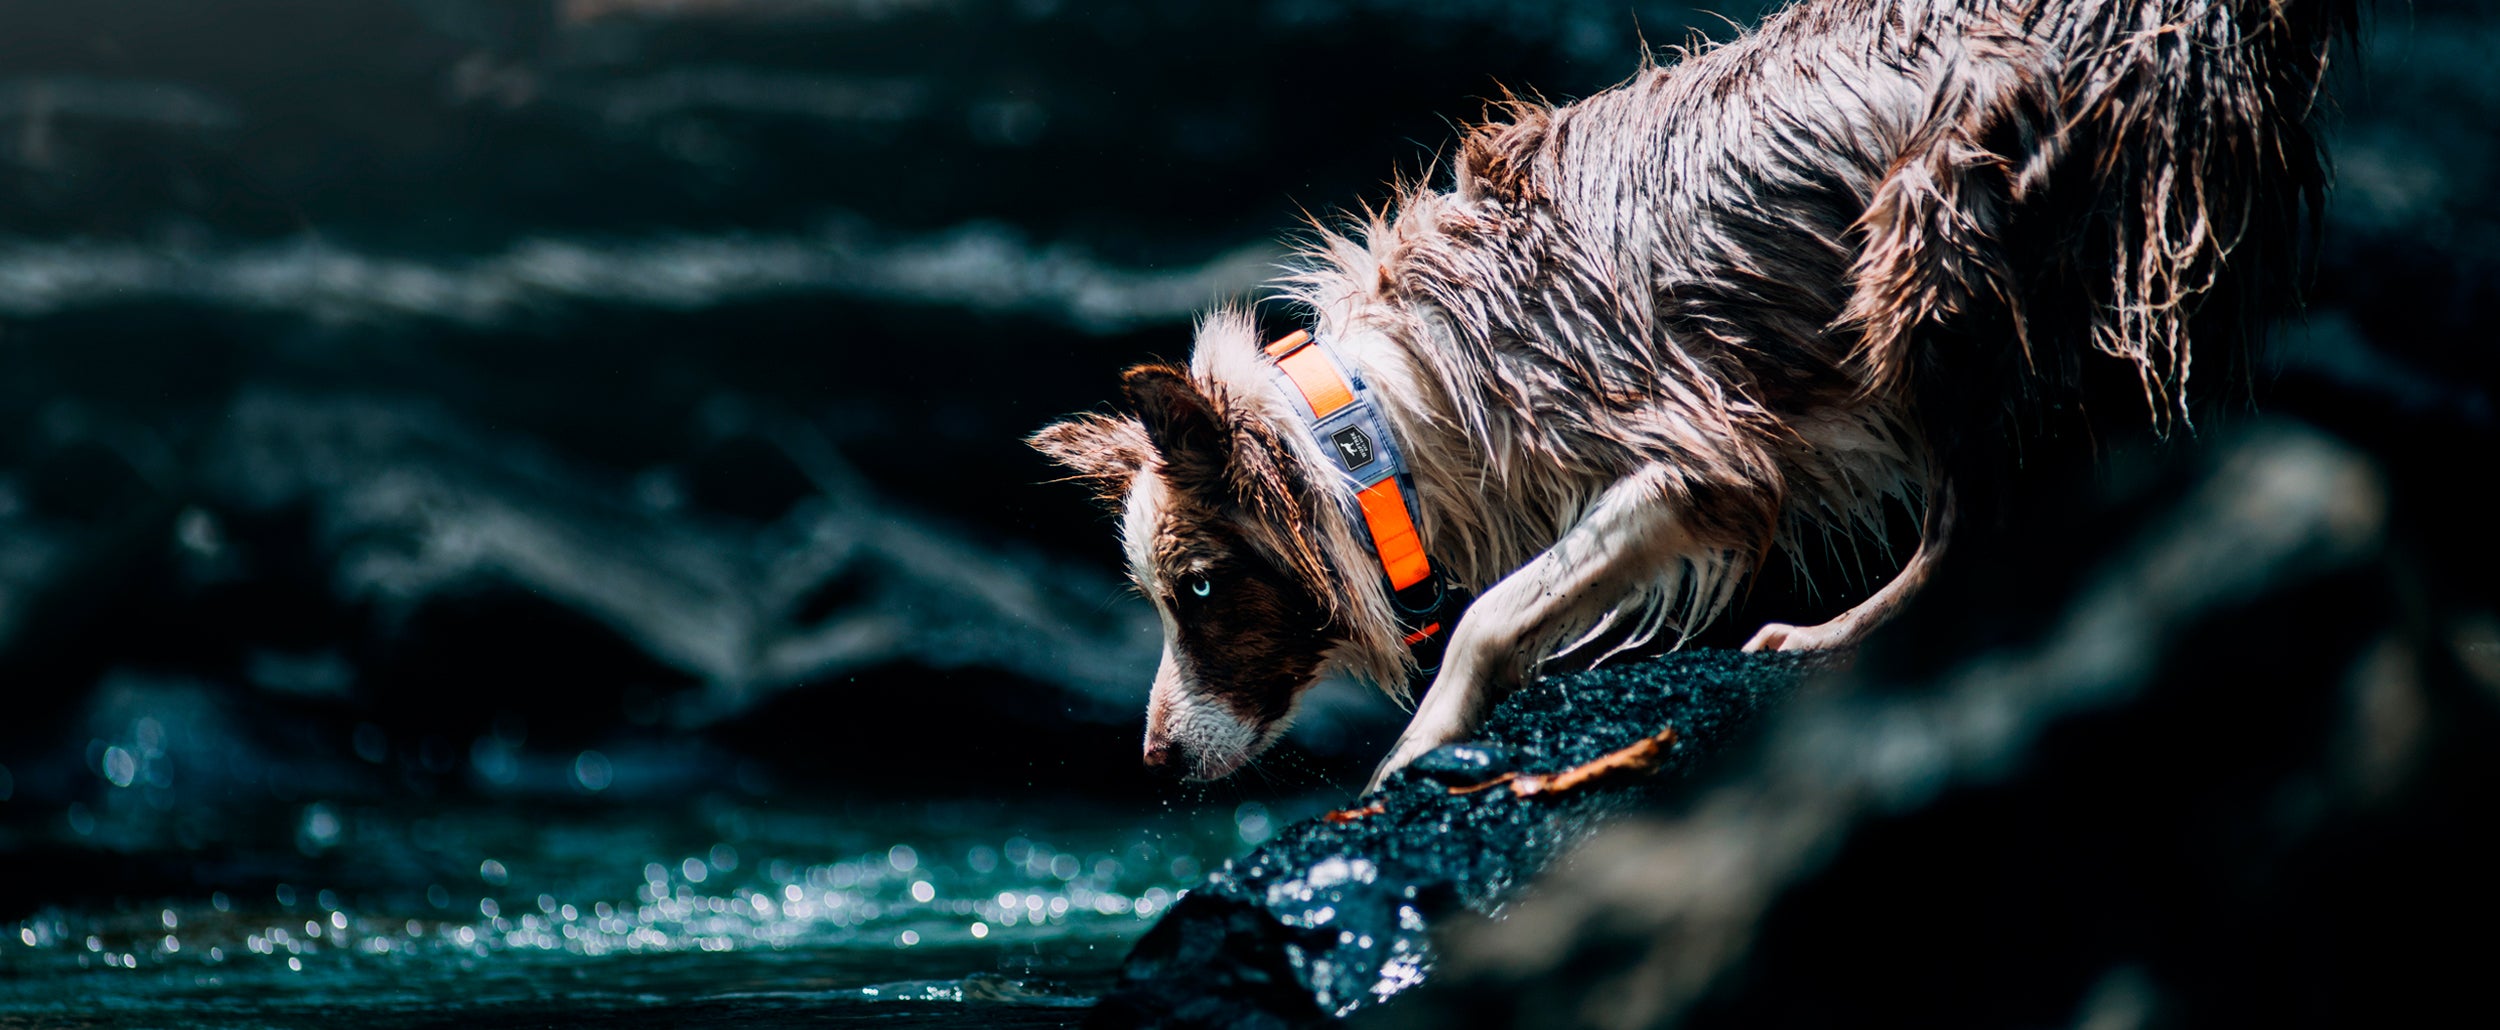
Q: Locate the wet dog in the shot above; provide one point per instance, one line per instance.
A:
(1747, 300)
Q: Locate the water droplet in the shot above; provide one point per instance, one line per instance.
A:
(902, 858)
(910, 937)
(493, 872)
(593, 771)
(319, 830)
(692, 869)
(436, 896)
(923, 891)
(1252, 822)
(980, 930)
(120, 767)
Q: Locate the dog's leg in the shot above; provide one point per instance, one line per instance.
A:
(1853, 625)
(1630, 535)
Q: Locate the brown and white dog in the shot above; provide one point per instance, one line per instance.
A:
(1743, 301)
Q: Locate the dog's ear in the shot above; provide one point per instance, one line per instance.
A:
(1103, 451)
(1216, 453)
(1275, 504)
(1182, 422)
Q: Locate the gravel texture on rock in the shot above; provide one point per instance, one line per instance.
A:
(1336, 913)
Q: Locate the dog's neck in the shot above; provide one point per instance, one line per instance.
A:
(1376, 648)
(1345, 415)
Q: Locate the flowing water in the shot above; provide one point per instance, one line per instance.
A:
(710, 914)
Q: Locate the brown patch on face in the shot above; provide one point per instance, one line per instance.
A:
(1237, 528)
(1233, 556)
(1257, 636)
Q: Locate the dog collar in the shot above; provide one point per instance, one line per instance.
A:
(1350, 426)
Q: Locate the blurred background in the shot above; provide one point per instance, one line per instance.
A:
(467, 465)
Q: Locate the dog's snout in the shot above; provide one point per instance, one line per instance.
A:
(1158, 754)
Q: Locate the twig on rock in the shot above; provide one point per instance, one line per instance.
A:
(1641, 755)
(1348, 815)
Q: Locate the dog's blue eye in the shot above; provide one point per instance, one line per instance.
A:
(1200, 586)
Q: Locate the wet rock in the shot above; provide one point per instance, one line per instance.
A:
(411, 509)
(365, 565)
(1335, 914)
(2219, 777)
(1463, 764)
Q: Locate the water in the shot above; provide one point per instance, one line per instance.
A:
(710, 914)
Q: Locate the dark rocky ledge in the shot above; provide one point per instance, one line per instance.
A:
(1335, 913)
(2217, 756)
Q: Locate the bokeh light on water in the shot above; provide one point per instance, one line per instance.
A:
(488, 912)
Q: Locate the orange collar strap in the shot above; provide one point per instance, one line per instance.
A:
(1353, 430)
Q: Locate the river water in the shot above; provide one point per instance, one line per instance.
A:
(703, 914)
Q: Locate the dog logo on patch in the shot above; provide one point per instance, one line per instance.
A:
(1354, 450)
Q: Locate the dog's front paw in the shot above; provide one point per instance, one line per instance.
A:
(1780, 636)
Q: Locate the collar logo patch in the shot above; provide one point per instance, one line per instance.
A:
(1354, 450)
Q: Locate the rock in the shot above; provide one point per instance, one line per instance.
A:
(1335, 914)
(2213, 753)
(2215, 768)
(1454, 765)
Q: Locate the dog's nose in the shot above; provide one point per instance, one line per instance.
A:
(1158, 754)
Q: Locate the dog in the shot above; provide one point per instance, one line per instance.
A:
(1754, 297)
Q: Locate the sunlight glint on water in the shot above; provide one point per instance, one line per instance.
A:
(576, 919)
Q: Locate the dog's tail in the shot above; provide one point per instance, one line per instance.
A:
(2120, 176)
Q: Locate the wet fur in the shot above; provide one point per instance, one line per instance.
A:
(1745, 300)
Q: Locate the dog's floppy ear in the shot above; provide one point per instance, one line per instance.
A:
(1181, 421)
(1103, 451)
(1215, 452)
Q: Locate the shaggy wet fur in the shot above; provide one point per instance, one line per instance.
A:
(1767, 289)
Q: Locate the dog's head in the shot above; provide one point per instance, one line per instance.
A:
(1217, 521)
